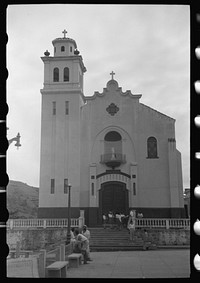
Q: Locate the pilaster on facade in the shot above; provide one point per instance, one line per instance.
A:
(133, 192)
(92, 184)
(173, 173)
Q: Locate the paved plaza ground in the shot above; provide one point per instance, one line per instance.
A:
(135, 264)
(172, 263)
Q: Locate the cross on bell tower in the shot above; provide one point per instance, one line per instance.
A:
(64, 32)
(112, 75)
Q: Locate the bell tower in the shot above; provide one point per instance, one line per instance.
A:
(62, 98)
(65, 69)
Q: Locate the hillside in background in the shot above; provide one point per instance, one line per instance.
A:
(22, 200)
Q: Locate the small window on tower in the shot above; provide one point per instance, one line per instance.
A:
(52, 186)
(54, 107)
(56, 75)
(66, 74)
(70, 48)
(62, 48)
(66, 107)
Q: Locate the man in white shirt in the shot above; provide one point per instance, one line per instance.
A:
(83, 242)
(110, 219)
(119, 220)
(104, 220)
(86, 233)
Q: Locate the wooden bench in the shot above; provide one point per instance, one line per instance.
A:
(74, 260)
(58, 269)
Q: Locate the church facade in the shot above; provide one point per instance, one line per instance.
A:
(115, 152)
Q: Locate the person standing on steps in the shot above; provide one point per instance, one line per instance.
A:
(104, 220)
(110, 219)
(131, 224)
(123, 219)
(118, 220)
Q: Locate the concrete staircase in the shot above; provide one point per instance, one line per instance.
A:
(114, 240)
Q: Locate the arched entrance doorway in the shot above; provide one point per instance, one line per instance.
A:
(113, 196)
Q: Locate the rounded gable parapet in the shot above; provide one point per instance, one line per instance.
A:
(112, 84)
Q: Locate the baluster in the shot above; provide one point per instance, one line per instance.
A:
(167, 223)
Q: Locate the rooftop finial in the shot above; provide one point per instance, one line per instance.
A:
(64, 32)
(112, 74)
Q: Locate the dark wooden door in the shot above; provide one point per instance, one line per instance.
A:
(114, 197)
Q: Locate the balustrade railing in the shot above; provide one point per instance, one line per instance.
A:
(113, 157)
(166, 223)
(44, 223)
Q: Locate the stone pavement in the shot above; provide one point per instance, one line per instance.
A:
(135, 264)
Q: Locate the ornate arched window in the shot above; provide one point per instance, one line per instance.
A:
(62, 48)
(66, 74)
(56, 75)
(152, 148)
(113, 143)
(113, 156)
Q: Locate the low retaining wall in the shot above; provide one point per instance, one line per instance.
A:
(35, 239)
(32, 239)
(22, 267)
(173, 237)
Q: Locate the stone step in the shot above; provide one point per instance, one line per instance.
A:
(116, 248)
(114, 240)
(117, 245)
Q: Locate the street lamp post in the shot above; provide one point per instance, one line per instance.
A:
(17, 139)
(69, 215)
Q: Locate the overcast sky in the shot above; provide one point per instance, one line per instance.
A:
(147, 46)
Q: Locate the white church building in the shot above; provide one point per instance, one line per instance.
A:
(115, 152)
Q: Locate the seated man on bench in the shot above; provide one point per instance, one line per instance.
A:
(82, 244)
